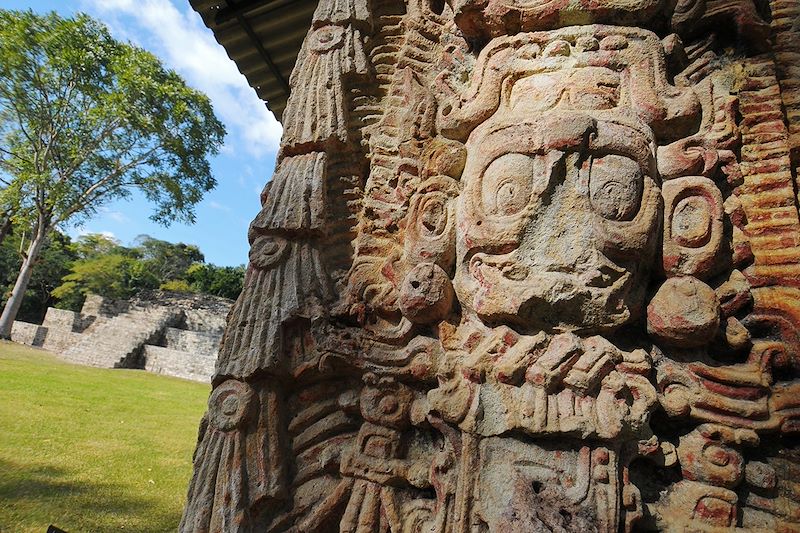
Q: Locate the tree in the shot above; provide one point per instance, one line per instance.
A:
(168, 261)
(8, 206)
(85, 119)
(219, 281)
(114, 275)
(93, 245)
(54, 261)
(103, 266)
(5, 224)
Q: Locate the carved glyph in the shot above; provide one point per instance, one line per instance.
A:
(522, 266)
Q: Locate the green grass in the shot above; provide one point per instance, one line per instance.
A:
(92, 450)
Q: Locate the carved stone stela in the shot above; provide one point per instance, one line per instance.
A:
(524, 265)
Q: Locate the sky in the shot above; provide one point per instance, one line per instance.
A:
(176, 34)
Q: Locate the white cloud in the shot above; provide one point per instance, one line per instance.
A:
(116, 216)
(179, 38)
(218, 206)
(104, 233)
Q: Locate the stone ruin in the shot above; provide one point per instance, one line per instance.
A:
(166, 333)
(523, 265)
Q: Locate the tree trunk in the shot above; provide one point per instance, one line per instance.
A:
(15, 300)
(5, 226)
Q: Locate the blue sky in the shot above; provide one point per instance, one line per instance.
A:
(176, 34)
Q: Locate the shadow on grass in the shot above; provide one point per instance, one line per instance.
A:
(34, 496)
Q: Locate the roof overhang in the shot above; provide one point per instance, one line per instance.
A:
(263, 38)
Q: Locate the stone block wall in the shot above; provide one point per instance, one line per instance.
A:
(118, 342)
(61, 319)
(167, 333)
(179, 363)
(59, 340)
(56, 334)
(98, 306)
(26, 333)
(191, 341)
(201, 312)
(205, 320)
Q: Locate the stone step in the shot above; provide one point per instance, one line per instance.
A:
(199, 342)
(118, 342)
(179, 363)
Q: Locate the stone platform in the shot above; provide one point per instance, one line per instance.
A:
(166, 333)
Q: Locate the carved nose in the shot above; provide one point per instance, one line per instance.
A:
(560, 238)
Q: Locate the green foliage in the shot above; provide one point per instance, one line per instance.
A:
(176, 285)
(219, 281)
(67, 271)
(92, 245)
(103, 266)
(113, 275)
(166, 260)
(53, 264)
(85, 119)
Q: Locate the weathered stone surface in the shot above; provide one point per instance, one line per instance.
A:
(520, 270)
(118, 342)
(27, 333)
(193, 365)
(61, 319)
(684, 312)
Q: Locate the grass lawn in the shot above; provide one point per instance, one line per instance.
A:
(92, 450)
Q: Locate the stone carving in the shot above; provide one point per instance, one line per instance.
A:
(520, 270)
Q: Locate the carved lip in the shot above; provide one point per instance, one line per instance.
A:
(492, 269)
(557, 299)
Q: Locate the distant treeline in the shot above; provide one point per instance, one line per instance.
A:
(68, 270)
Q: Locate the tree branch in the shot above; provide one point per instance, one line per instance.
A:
(85, 197)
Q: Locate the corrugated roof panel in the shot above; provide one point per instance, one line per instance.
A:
(257, 33)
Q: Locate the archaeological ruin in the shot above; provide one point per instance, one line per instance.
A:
(166, 333)
(522, 266)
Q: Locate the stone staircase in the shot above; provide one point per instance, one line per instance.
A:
(119, 341)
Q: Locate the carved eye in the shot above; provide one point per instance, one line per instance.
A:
(507, 184)
(691, 221)
(615, 187)
(433, 216)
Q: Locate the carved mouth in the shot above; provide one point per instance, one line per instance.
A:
(603, 276)
(556, 298)
(489, 269)
(483, 267)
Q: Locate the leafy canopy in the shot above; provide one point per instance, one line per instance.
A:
(166, 260)
(225, 281)
(85, 119)
(103, 266)
(114, 275)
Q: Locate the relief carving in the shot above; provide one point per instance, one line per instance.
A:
(519, 269)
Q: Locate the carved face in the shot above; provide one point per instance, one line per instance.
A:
(557, 222)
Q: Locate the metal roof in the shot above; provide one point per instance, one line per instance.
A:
(263, 38)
